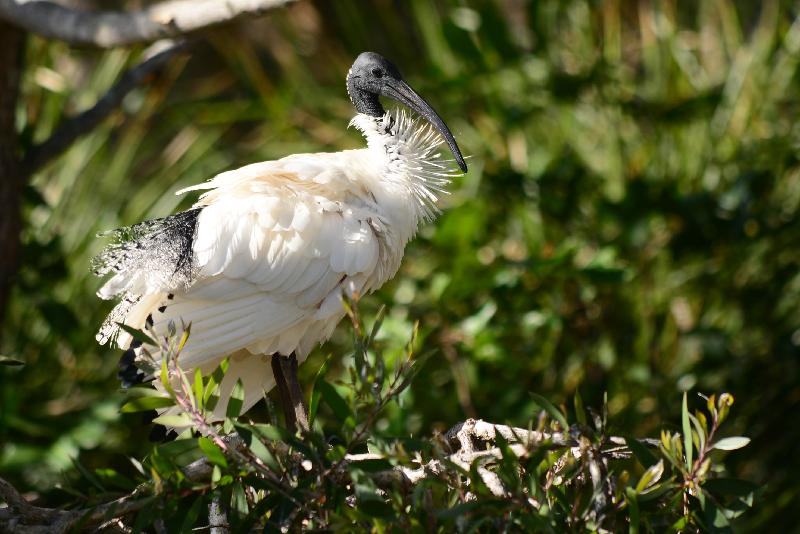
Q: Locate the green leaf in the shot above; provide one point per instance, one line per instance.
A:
(656, 491)
(143, 404)
(138, 335)
(731, 487)
(687, 432)
(197, 385)
(315, 394)
(375, 508)
(236, 401)
(271, 432)
(239, 500)
(172, 420)
(192, 514)
(731, 444)
(88, 475)
(701, 435)
(144, 391)
(459, 510)
(716, 516)
(376, 326)
(216, 475)
(164, 376)
(371, 465)
(213, 381)
(10, 361)
(212, 452)
(641, 452)
(580, 413)
(551, 410)
(650, 477)
(187, 331)
(335, 401)
(633, 510)
(256, 446)
(110, 476)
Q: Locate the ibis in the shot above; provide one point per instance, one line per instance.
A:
(260, 263)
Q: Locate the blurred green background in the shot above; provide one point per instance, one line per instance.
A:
(629, 223)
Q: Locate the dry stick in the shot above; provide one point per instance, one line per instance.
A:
(157, 56)
(106, 29)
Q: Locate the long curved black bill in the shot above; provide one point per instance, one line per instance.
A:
(403, 93)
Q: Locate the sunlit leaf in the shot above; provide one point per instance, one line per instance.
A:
(142, 404)
(650, 476)
(10, 361)
(197, 387)
(687, 432)
(235, 401)
(732, 443)
(170, 420)
(212, 452)
(138, 335)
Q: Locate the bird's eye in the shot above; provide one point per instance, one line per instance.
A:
(378, 73)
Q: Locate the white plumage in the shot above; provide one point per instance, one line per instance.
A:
(276, 243)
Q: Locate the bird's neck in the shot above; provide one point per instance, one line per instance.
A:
(409, 173)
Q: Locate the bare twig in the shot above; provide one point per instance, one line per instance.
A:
(68, 132)
(105, 29)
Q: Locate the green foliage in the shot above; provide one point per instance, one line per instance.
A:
(629, 223)
(347, 474)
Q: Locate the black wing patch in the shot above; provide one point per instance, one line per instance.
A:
(158, 250)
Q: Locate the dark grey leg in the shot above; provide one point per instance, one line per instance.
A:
(294, 407)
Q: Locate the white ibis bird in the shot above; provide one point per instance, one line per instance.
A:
(259, 264)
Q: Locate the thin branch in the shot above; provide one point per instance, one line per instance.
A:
(105, 29)
(68, 132)
(22, 508)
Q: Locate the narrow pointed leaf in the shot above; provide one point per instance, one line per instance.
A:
(8, 360)
(335, 401)
(650, 477)
(197, 385)
(212, 452)
(236, 401)
(687, 432)
(551, 410)
(173, 420)
(143, 404)
(580, 413)
(732, 443)
(138, 335)
(641, 452)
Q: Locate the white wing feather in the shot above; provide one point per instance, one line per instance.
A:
(274, 248)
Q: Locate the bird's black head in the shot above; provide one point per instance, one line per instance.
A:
(372, 76)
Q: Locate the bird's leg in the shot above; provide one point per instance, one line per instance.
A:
(294, 407)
